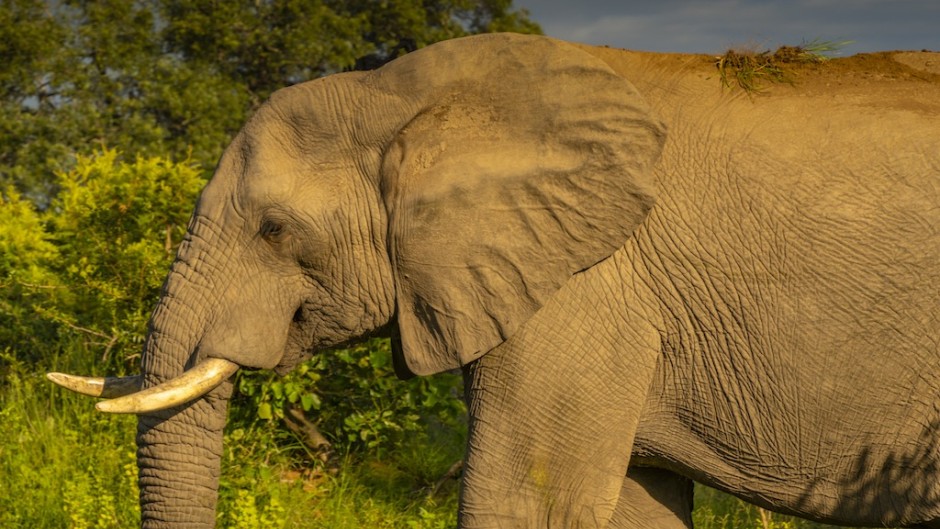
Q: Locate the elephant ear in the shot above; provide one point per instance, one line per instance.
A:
(527, 161)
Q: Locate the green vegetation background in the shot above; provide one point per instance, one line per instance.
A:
(112, 116)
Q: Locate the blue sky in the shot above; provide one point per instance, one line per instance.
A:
(702, 26)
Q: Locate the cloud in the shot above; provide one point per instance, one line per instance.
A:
(712, 27)
(690, 27)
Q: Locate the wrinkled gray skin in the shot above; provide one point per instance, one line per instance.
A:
(638, 271)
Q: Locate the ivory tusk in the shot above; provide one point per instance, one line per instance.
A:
(187, 387)
(107, 387)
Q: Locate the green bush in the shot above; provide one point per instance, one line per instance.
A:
(25, 280)
(116, 225)
(91, 265)
(356, 400)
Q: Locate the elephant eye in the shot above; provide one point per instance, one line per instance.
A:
(273, 231)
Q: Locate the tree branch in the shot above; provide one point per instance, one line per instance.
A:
(309, 434)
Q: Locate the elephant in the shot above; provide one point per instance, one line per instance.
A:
(647, 280)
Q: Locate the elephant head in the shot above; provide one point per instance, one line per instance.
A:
(447, 194)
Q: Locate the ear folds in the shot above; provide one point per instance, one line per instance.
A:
(529, 164)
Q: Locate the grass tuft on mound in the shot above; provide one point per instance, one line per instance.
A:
(750, 69)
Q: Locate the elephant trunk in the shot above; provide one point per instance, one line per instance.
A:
(179, 463)
(179, 449)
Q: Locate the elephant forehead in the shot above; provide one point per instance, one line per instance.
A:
(276, 184)
(283, 155)
(276, 172)
(287, 183)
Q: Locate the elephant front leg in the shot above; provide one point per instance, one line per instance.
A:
(553, 413)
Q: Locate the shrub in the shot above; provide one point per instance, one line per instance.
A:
(358, 402)
(26, 250)
(91, 265)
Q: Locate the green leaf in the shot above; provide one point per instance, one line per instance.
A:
(310, 401)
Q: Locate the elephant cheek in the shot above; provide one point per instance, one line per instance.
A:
(255, 340)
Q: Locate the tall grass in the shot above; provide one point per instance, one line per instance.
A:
(60, 464)
(716, 510)
(264, 486)
(63, 465)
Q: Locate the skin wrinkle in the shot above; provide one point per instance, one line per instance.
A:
(181, 456)
(168, 319)
(351, 279)
(751, 337)
(374, 291)
(754, 293)
(340, 104)
(202, 266)
(710, 290)
(368, 318)
(724, 398)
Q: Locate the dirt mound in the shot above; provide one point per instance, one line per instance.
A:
(923, 61)
(900, 80)
(901, 65)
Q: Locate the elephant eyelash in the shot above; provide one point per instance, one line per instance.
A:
(273, 231)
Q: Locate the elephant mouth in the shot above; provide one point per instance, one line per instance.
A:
(126, 396)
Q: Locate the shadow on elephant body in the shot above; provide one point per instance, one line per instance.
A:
(890, 488)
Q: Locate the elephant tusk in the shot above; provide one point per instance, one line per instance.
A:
(107, 387)
(185, 388)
